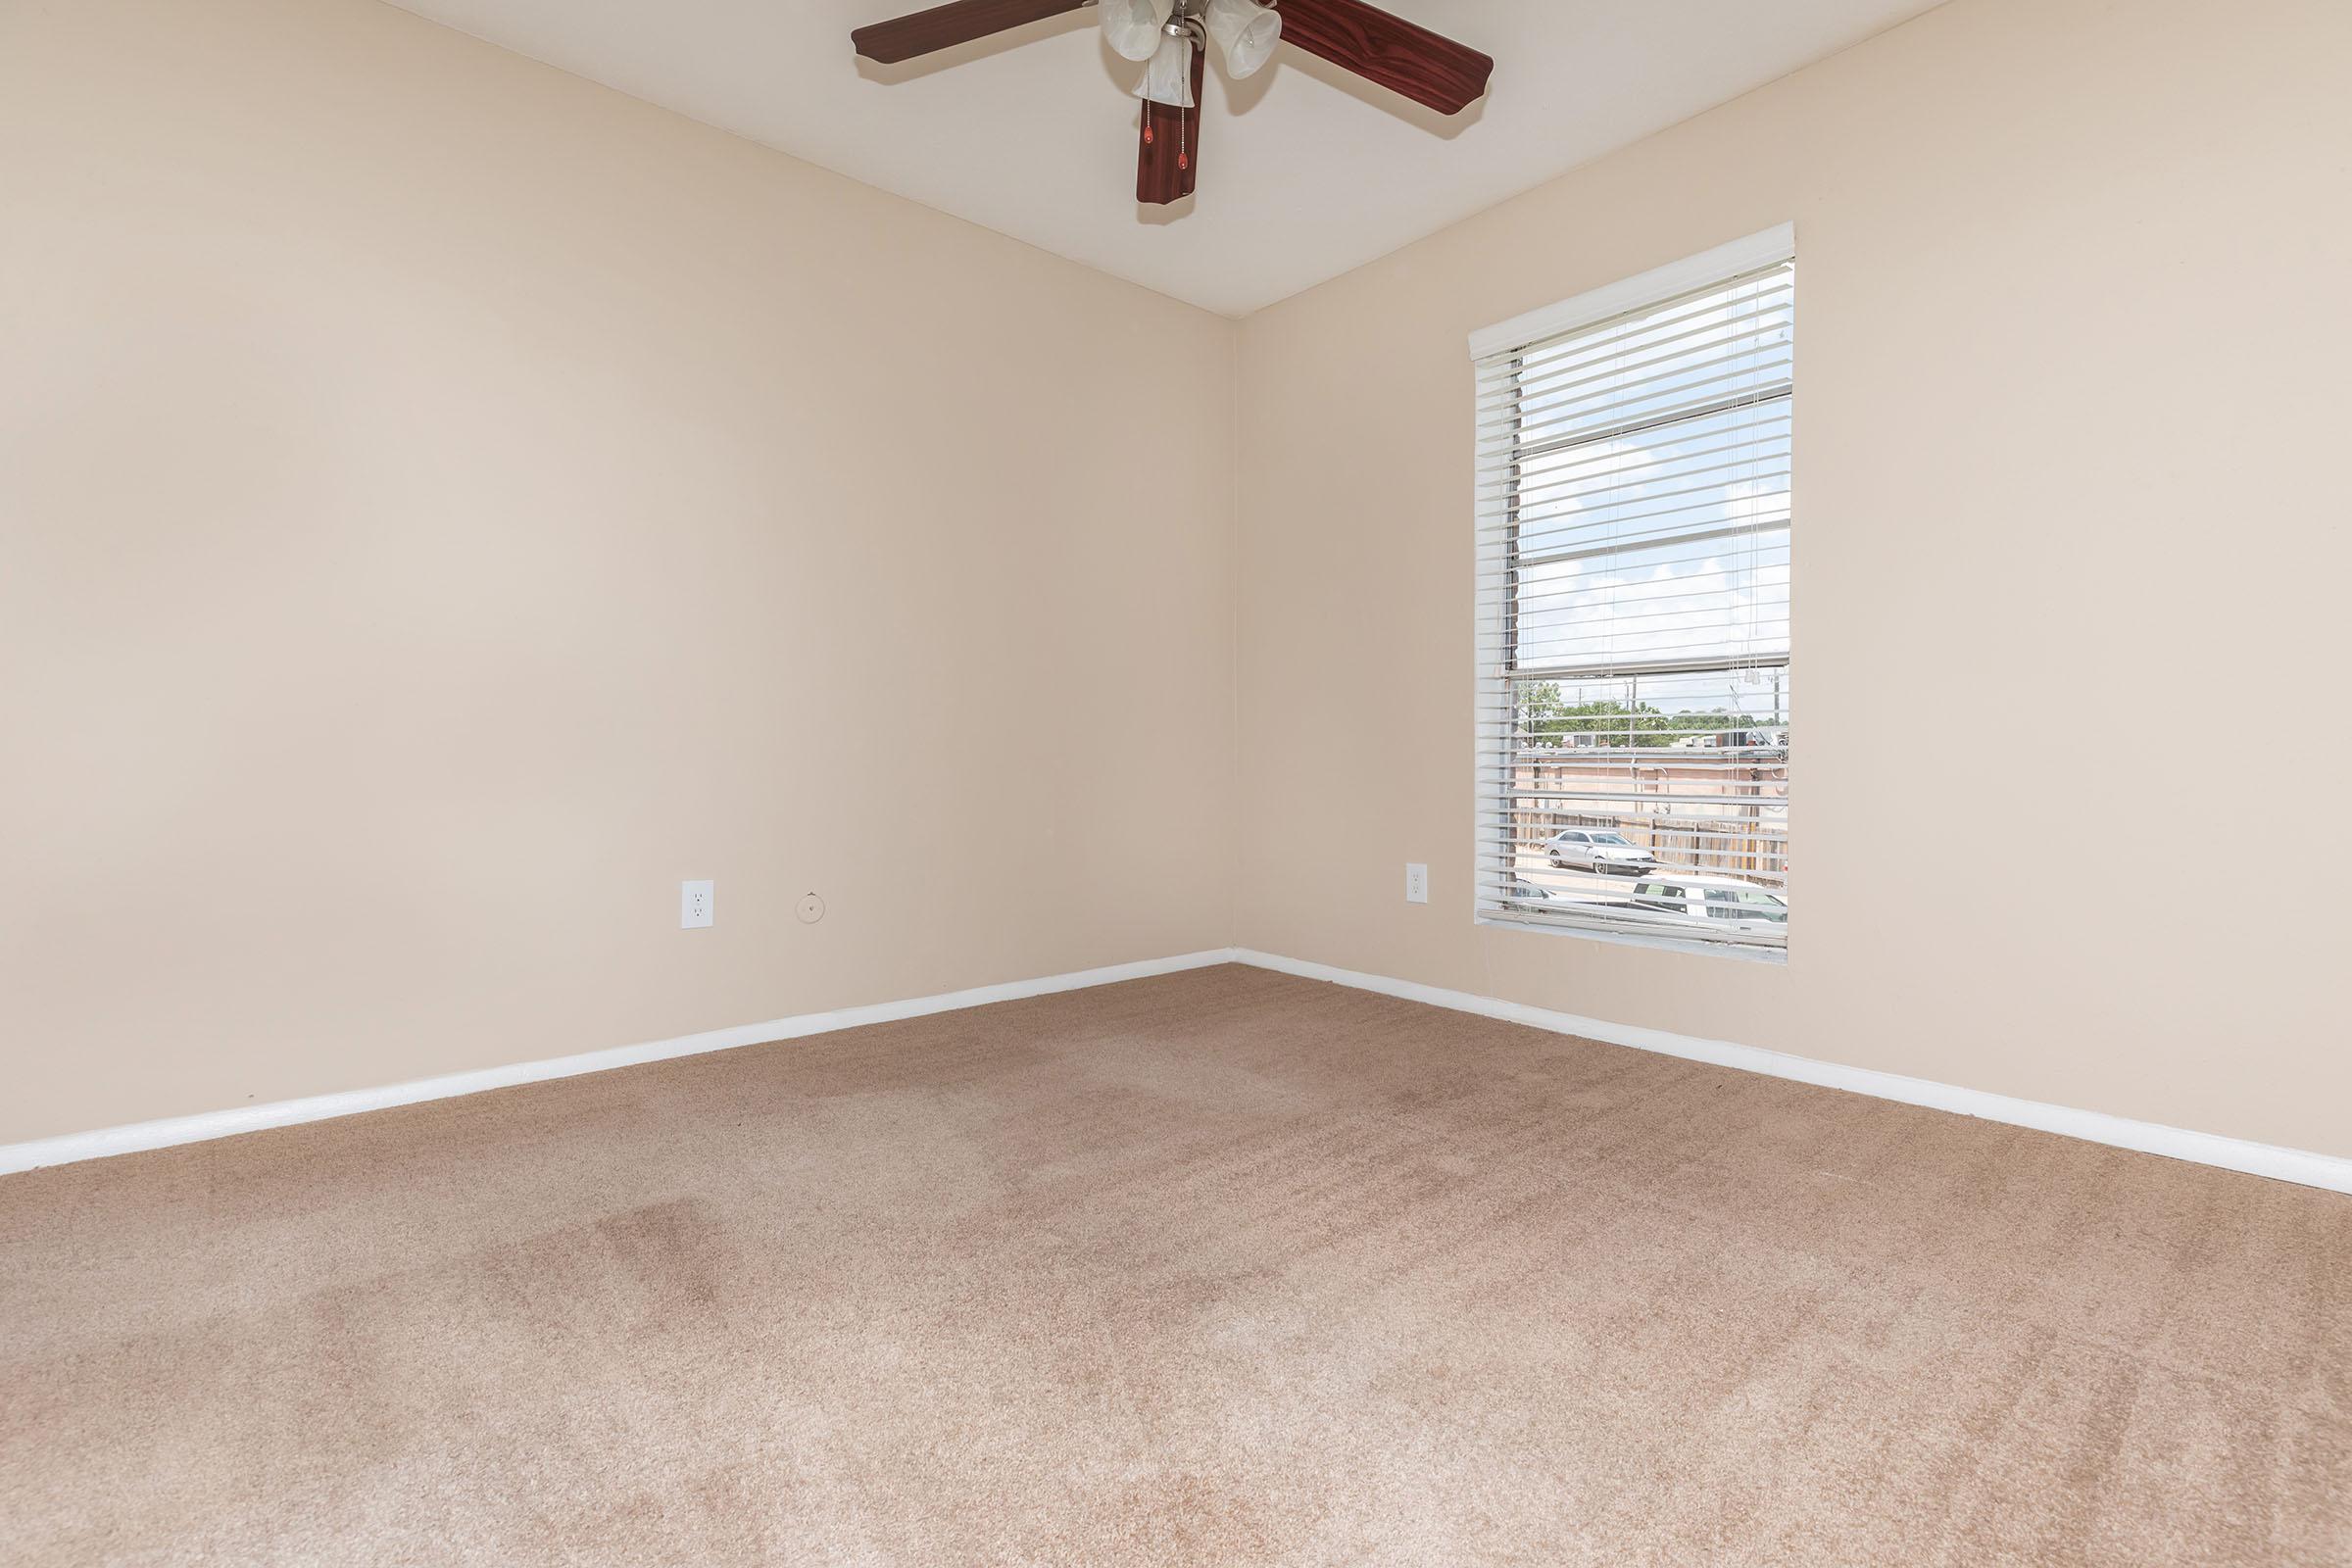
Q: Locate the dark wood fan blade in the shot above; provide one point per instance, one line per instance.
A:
(1168, 164)
(1424, 67)
(945, 26)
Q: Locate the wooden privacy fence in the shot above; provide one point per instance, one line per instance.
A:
(1733, 838)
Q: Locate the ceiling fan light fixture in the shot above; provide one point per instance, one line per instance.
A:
(1247, 33)
(1133, 27)
(1356, 35)
(1168, 79)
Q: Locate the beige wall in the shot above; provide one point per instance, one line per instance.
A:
(443, 504)
(2072, 352)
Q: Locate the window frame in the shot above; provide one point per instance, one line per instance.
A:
(1495, 609)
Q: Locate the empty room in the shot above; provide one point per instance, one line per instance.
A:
(788, 782)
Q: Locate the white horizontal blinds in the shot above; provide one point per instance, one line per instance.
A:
(1633, 572)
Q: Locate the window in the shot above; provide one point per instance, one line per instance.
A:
(1633, 523)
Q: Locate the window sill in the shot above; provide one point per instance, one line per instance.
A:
(1778, 957)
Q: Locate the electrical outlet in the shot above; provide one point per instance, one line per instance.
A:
(1416, 883)
(694, 904)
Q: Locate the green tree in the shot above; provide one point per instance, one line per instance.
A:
(1547, 718)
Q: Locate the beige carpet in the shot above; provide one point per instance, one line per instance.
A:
(1224, 1267)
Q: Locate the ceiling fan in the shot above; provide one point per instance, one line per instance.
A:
(1170, 38)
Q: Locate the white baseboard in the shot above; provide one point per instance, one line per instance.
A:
(2296, 1165)
(163, 1134)
(2205, 1149)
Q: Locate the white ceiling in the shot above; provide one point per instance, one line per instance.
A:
(1304, 171)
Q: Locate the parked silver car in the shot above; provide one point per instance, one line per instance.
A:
(1598, 849)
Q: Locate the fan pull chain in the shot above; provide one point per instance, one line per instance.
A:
(1184, 159)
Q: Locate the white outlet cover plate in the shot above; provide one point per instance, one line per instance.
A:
(1416, 883)
(696, 904)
